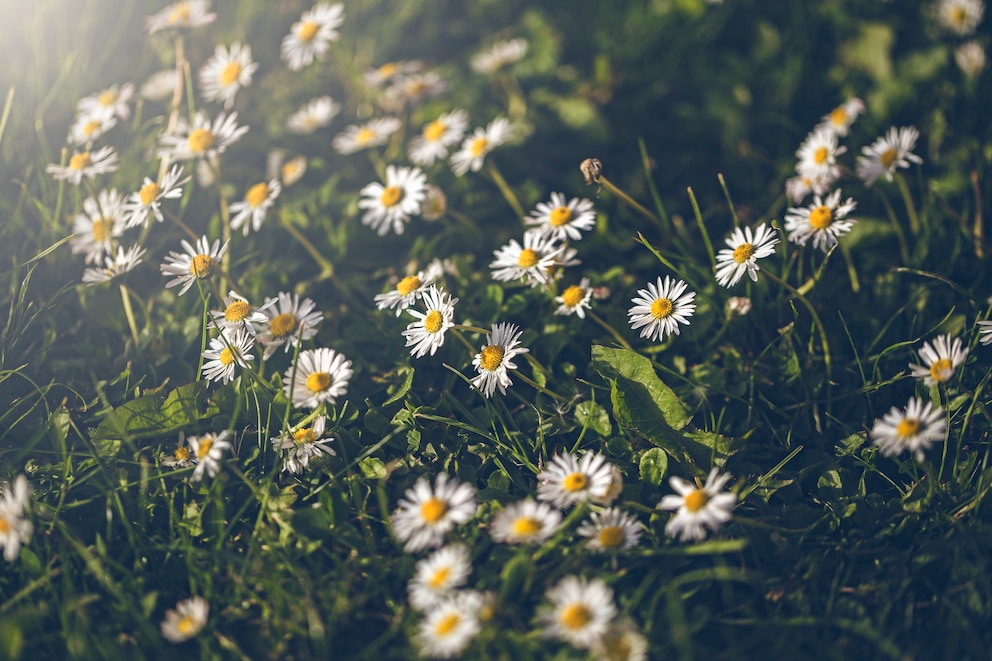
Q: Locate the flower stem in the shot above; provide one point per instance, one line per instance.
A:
(907, 197)
(504, 188)
(610, 329)
(634, 204)
(129, 314)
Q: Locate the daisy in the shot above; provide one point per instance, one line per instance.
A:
(824, 221)
(818, 154)
(290, 322)
(390, 206)
(208, 450)
(915, 429)
(304, 444)
(257, 201)
(15, 530)
(100, 223)
(437, 136)
(495, 359)
(475, 147)
(412, 89)
(187, 14)
(181, 457)
(450, 625)
(147, 200)
(122, 262)
(737, 306)
(839, 119)
(698, 508)
(427, 333)
(613, 491)
(425, 515)
(661, 307)
(160, 86)
(202, 139)
(226, 72)
(576, 299)
(370, 134)
(746, 248)
(532, 262)
(87, 128)
(438, 575)
(319, 375)
(314, 114)
(187, 620)
(227, 352)
(567, 481)
(310, 37)
(293, 170)
(941, 360)
(885, 155)
(85, 164)
(435, 204)
(621, 642)
(580, 610)
(959, 16)
(409, 289)
(798, 187)
(197, 263)
(499, 55)
(611, 530)
(985, 332)
(238, 314)
(381, 75)
(111, 102)
(525, 522)
(970, 58)
(562, 220)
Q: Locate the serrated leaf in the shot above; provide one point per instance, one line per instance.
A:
(654, 465)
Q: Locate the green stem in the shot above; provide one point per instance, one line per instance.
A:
(504, 188)
(631, 202)
(907, 197)
(702, 227)
(537, 386)
(129, 315)
(325, 265)
(610, 329)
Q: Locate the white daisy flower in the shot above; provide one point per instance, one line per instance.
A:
(409, 289)
(839, 119)
(382, 74)
(111, 102)
(985, 332)
(160, 86)
(532, 262)
(304, 444)
(226, 72)
(208, 450)
(450, 625)
(495, 359)
(567, 481)
(885, 155)
(698, 508)
(187, 620)
(611, 530)
(123, 261)
(659, 309)
(562, 220)
(238, 313)
(293, 170)
(798, 187)
(290, 322)
(576, 299)
(147, 200)
(184, 15)
(228, 351)
(499, 55)
(427, 333)
(373, 133)
(960, 17)
(613, 491)
(818, 154)
(437, 136)
(181, 457)
(525, 522)
(914, 429)
(15, 530)
(476, 147)
(96, 229)
(85, 164)
(87, 128)
(738, 306)
(249, 213)
(312, 115)
(438, 575)
(746, 248)
(824, 221)
(435, 204)
(412, 89)
(580, 611)
(319, 375)
(941, 360)
(425, 515)
(970, 58)
(202, 139)
(310, 37)
(621, 642)
(197, 262)
(389, 207)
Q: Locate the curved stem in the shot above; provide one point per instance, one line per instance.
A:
(504, 188)
(634, 204)
(610, 329)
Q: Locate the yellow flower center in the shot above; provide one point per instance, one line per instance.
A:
(439, 578)
(407, 285)
(257, 194)
(610, 537)
(318, 382)
(661, 308)
(101, 229)
(959, 15)
(527, 258)
(387, 69)
(696, 500)
(179, 16)
(182, 454)
(226, 356)
(433, 509)
(237, 311)
(433, 321)
(186, 625)
(364, 135)
(91, 127)
(148, 193)
(447, 624)
(291, 171)
(434, 131)
(229, 74)
(560, 216)
(202, 265)
(80, 161)
(304, 436)
(888, 157)
(743, 252)
(572, 296)
(820, 155)
(907, 427)
(478, 147)
(942, 370)
(282, 325)
(821, 217)
(107, 98)
(491, 357)
(203, 449)
(525, 526)
(307, 31)
(575, 482)
(575, 616)
(391, 196)
(4, 526)
(200, 140)
(838, 117)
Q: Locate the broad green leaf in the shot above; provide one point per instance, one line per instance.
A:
(635, 376)
(373, 467)
(595, 416)
(654, 465)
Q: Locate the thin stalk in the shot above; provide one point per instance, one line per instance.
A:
(730, 202)
(610, 329)
(129, 315)
(907, 198)
(702, 227)
(508, 194)
(631, 202)
(326, 267)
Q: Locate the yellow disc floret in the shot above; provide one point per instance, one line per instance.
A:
(820, 217)
(318, 382)
(661, 308)
(491, 357)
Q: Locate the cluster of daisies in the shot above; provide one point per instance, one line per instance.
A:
(961, 18)
(578, 611)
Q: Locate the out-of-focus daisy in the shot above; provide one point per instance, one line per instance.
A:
(15, 530)
(970, 58)
(312, 115)
(882, 157)
(525, 522)
(208, 450)
(495, 358)
(84, 164)
(698, 508)
(499, 55)
(303, 444)
(389, 207)
(532, 262)
(249, 213)
(159, 86)
(147, 200)
(824, 221)
(187, 620)
(476, 147)
(425, 514)
(412, 89)
(319, 375)
(310, 37)
(659, 309)
(576, 299)
(959, 16)
(611, 530)
(409, 289)
(427, 333)
(567, 481)
(738, 306)
(197, 262)
(839, 119)
(87, 128)
(101, 222)
(798, 187)
(370, 134)
(940, 360)
(226, 72)
(290, 171)
(621, 642)
(435, 203)
(562, 220)
(290, 322)
(183, 15)
(818, 154)
(985, 332)
(238, 313)
(227, 352)
(450, 625)
(112, 102)
(746, 248)
(181, 457)
(579, 611)
(613, 491)
(438, 575)
(382, 74)
(914, 429)
(202, 139)
(437, 136)
(123, 261)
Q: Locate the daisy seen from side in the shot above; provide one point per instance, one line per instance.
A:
(659, 309)
(319, 376)
(409, 289)
(798, 187)
(98, 226)
(698, 508)
(496, 357)
(159, 86)
(525, 522)
(840, 119)
(196, 263)
(388, 207)
(372, 133)
(959, 17)
(499, 55)
(147, 200)
(579, 610)
(940, 360)
(621, 642)
(87, 128)
(892, 151)
(303, 444)
(183, 15)
(746, 247)
(477, 146)
(85, 164)
(309, 38)
(208, 451)
(291, 321)
(15, 529)
(312, 115)
(438, 136)
(226, 72)
(238, 314)
(112, 102)
(202, 139)
(181, 456)
(186, 620)
(823, 221)
(913, 429)
(426, 514)
(227, 352)
(249, 213)
(427, 333)
(123, 261)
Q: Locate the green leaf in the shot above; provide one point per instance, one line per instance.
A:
(152, 415)
(634, 375)
(595, 416)
(406, 374)
(654, 465)
(373, 468)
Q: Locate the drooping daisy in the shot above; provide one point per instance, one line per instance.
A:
(746, 248)
(562, 220)
(197, 262)
(698, 508)
(303, 444)
(882, 157)
(818, 154)
(621, 642)
(425, 515)
(319, 375)
(382, 74)
(238, 313)
(959, 16)
(427, 333)
(438, 575)
(84, 164)
(576, 299)
(184, 15)
(476, 147)
(373, 133)
(525, 522)
(610, 530)
(187, 620)
(914, 429)
(202, 139)
(290, 322)
(87, 128)
(437, 136)
(798, 187)
(499, 55)
(985, 332)
(226, 72)
(181, 457)
(579, 611)
(941, 360)
(435, 204)
(450, 625)
(111, 102)
(96, 229)
(208, 450)
(567, 481)
(123, 261)
(389, 207)
(839, 119)
(312, 115)
(15, 529)
(249, 213)
(310, 37)
(531, 263)
(496, 358)
(147, 200)
(160, 86)
(970, 58)
(659, 309)
(227, 352)
(824, 221)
